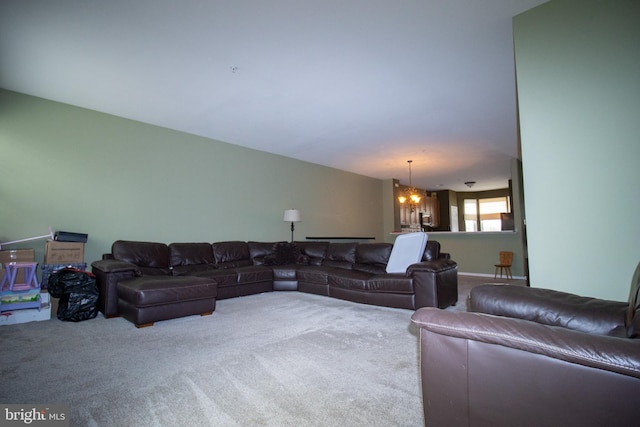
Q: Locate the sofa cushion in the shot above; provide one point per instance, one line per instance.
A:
(340, 255)
(284, 272)
(190, 254)
(313, 279)
(313, 274)
(373, 253)
(372, 257)
(349, 279)
(225, 277)
(151, 258)
(431, 251)
(193, 269)
(361, 281)
(259, 250)
(314, 251)
(231, 254)
(370, 268)
(254, 274)
(285, 253)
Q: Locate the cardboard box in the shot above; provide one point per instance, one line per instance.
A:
(17, 255)
(63, 252)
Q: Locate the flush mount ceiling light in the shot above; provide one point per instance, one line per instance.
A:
(410, 196)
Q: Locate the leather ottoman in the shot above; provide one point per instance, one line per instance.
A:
(145, 300)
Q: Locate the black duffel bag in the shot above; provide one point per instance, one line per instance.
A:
(78, 294)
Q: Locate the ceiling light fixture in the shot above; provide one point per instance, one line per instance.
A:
(410, 196)
(470, 183)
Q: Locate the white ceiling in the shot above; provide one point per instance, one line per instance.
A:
(358, 85)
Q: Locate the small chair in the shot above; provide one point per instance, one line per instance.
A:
(11, 272)
(506, 258)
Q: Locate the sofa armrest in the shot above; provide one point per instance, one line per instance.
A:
(615, 354)
(435, 283)
(434, 266)
(108, 273)
(551, 307)
(115, 266)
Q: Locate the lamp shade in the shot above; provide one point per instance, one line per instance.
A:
(292, 215)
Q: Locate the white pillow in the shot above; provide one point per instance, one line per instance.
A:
(407, 249)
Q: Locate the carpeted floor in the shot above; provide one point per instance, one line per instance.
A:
(274, 359)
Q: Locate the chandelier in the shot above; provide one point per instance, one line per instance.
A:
(410, 196)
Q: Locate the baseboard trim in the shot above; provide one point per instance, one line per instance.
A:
(463, 273)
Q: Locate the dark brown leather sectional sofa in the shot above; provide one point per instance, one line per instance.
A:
(146, 282)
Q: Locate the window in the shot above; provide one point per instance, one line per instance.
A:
(484, 214)
(470, 215)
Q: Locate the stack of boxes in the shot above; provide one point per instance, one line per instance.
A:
(58, 254)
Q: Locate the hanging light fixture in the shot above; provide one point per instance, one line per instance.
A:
(410, 196)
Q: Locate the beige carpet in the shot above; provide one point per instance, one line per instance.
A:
(274, 359)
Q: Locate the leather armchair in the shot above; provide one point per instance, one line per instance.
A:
(531, 357)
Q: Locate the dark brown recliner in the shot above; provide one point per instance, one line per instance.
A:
(531, 357)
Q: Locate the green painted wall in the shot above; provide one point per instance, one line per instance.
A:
(78, 170)
(578, 68)
(477, 253)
